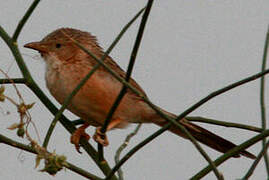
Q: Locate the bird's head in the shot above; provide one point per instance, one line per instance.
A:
(61, 44)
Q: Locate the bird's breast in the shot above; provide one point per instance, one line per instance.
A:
(92, 101)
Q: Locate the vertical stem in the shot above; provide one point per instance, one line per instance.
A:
(128, 74)
(24, 20)
(256, 162)
(122, 147)
(262, 103)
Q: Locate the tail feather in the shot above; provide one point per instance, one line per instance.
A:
(206, 137)
(214, 141)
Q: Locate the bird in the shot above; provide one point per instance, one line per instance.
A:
(67, 64)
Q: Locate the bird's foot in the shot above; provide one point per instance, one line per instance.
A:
(100, 137)
(77, 135)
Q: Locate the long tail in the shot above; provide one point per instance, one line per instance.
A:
(204, 136)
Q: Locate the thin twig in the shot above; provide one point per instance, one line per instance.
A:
(22, 102)
(11, 101)
(13, 46)
(13, 84)
(223, 123)
(24, 20)
(256, 162)
(13, 80)
(128, 74)
(232, 152)
(205, 120)
(122, 147)
(262, 97)
(78, 122)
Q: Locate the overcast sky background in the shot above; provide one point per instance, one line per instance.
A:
(189, 49)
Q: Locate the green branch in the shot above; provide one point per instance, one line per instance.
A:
(14, 80)
(10, 142)
(122, 147)
(128, 74)
(13, 46)
(262, 103)
(226, 124)
(256, 162)
(78, 122)
(231, 153)
(24, 20)
(206, 120)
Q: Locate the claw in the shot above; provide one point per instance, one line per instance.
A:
(100, 137)
(77, 135)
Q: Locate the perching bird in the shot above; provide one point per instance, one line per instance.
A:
(67, 65)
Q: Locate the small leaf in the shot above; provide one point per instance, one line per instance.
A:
(29, 106)
(2, 90)
(13, 126)
(37, 160)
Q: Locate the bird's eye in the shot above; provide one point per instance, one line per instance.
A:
(58, 45)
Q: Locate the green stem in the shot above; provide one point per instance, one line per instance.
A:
(262, 97)
(24, 20)
(130, 66)
(134, 150)
(208, 121)
(128, 74)
(226, 124)
(221, 91)
(13, 46)
(14, 80)
(231, 153)
(122, 147)
(78, 122)
(256, 162)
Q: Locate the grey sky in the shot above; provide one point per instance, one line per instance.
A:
(189, 49)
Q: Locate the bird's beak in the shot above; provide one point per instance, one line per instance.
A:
(39, 46)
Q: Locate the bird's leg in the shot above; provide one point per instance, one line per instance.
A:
(100, 137)
(78, 134)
